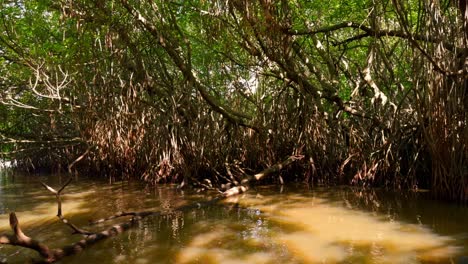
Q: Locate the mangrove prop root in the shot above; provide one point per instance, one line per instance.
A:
(52, 255)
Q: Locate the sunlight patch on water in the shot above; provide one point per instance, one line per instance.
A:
(324, 232)
(218, 246)
(43, 212)
(322, 226)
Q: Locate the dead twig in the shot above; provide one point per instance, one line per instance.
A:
(76, 230)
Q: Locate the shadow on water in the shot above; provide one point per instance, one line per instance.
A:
(297, 225)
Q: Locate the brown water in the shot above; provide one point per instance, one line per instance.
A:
(292, 224)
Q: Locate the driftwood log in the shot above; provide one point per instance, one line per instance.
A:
(49, 255)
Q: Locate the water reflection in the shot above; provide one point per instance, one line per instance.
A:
(337, 225)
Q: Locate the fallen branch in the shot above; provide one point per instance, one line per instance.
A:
(277, 167)
(22, 240)
(134, 215)
(140, 215)
(51, 255)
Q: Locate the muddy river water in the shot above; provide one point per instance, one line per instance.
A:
(270, 224)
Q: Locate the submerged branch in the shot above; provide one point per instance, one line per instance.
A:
(52, 255)
(75, 229)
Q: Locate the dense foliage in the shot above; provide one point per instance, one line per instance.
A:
(368, 92)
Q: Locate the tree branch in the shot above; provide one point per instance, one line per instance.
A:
(163, 40)
(369, 32)
(75, 229)
(277, 167)
(22, 240)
